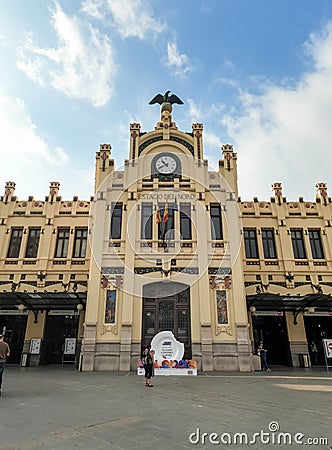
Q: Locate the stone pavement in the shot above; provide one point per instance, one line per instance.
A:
(60, 408)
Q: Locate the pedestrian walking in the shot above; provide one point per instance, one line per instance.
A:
(4, 353)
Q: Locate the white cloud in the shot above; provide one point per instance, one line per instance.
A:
(207, 113)
(131, 18)
(26, 158)
(19, 138)
(284, 133)
(212, 140)
(81, 66)
(179, 63)
(195, 112)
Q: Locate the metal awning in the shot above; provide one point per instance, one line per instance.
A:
(277, 302)
(42, 300)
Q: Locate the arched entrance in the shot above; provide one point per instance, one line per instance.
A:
(166, 306)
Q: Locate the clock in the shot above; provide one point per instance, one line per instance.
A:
(166, 165)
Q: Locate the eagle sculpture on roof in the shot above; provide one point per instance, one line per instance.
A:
(166, 98)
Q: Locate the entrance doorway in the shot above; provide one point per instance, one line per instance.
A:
(13, 328)
(166, 307)
(317, 328)
(272, 331)
(57, 329)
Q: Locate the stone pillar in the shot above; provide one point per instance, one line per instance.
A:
(206, 345)
(89, 347)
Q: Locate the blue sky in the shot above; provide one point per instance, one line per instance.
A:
(257, 74)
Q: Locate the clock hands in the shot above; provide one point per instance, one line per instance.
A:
(164, 164)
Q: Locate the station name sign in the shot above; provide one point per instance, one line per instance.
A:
(167, 196)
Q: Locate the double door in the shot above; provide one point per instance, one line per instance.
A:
(168, 313)
(272, 331)
(58, 328)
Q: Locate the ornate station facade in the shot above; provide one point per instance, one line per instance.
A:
(165, 243)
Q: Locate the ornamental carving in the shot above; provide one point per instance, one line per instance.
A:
(109, 329)
(224, 329)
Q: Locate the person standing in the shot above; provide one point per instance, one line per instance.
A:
(314, 352)
(145, 353)
(261, 351)
(148, 360)
(4, 353)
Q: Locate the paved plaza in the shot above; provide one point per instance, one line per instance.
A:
(60, 408)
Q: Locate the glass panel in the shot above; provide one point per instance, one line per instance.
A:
(33, 242)
(222, 314)
(166, 316)
(183, 323)
(316, 244)
(15, 243)
(185, 221)
(146, 221)
(116, 221)
(183, 297)
(298, 244)
(149, 321)
(62, 243)
(216, 226)
(250, 243)
(80, 243)
(110, 307)
(268, 244)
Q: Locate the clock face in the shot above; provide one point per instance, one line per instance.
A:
(166, 164)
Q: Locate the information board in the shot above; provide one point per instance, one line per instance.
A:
(35, 346)
(70, 346)
(328, 347)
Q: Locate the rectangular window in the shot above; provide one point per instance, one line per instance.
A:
(166, 224)
(146, 221)
(110, 307)
(222, 314)
(250, 243)
(185, 221)
(216, 224)
(61, 249)
(116, 221)
(269, 245)
(15, 243)
(298, 244)
(80, 241)
(316, 244)
(33, 243)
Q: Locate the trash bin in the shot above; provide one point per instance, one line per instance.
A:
(304, 360)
